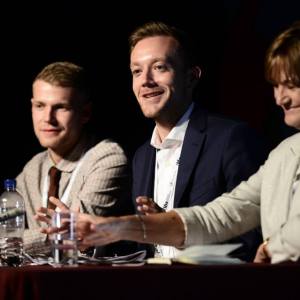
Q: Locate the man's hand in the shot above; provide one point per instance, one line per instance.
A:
(45, 214)
(262, 254)
(147, 206)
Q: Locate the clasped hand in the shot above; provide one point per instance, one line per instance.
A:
(147, 206)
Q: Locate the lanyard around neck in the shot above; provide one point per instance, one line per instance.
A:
(169, 197)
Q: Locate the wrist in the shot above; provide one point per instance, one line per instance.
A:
(143, 226)
(133, 228)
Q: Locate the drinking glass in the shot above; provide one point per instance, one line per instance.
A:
(64, 240)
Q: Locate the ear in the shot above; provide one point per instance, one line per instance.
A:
(196, 72)
(193, 75)
(86, 112)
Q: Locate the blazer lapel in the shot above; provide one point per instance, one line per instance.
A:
(289, 166)
(147, 175)
(192, 144)
(292, 163)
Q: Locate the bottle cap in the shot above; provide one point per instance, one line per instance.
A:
(9, 183)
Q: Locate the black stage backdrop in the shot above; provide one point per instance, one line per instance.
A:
(231, 36)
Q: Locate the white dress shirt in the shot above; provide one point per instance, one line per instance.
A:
(166, 168)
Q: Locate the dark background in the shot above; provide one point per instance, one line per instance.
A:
(231, 36)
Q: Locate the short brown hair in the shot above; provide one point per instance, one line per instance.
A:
(284, 56)
(152, 29)
(66, 74)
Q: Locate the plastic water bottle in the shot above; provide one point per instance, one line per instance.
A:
(12, 223)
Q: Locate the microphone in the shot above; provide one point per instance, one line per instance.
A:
(12, 213)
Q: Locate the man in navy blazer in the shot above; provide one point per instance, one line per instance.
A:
(193, 156)
(217, 154)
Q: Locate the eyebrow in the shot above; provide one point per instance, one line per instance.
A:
(287, 81)
(155, 60)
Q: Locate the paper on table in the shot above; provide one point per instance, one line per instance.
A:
(203, 250)
(208, 254)
(202, 254)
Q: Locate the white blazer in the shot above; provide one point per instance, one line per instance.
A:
(265, 198)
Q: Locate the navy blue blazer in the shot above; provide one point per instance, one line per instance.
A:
(217, 154)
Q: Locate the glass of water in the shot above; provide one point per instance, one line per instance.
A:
(64, 239)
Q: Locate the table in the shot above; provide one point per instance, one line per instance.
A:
(248, 281)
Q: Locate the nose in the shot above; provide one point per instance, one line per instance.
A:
(281, 94)
(49, 115)
(147, 78)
